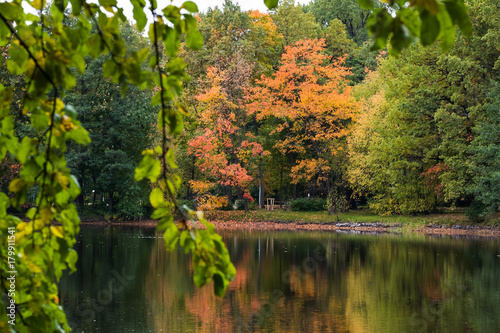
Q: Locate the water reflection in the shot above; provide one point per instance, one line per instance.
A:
(287, 282)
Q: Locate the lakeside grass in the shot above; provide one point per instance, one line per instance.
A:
(408, 222)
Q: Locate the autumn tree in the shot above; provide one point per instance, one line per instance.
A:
(309, 98)
(234, 40)
(225, 152)
(227, 31)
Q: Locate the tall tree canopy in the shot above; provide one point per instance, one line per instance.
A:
(120, 128)
(348, 12)
(293, 23)
(309, 95)
(426, 117)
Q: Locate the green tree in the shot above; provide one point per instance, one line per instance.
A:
(485, 152)
(348, 12)
(400, 23)
(293, 23)
(337, 42)
(120, 127)
(429, 110)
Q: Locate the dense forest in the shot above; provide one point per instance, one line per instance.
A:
(391, 106)
(292, 104)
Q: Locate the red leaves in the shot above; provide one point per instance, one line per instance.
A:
(432, 178)
(222, 152)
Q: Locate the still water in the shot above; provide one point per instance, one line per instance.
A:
(287, 282)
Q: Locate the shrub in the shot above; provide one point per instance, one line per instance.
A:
(308, 205)
(226, 206)
(240, 205)
(336, 203)
(478, 211)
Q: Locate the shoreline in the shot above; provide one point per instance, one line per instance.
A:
(454, 230)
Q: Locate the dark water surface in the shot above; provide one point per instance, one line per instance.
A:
(287, 282)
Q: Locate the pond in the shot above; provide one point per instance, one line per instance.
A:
(286, 282)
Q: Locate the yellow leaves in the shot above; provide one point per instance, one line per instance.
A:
(48, 106)
(66, 123)
(22, 226)
(61, 179)
(211, 202)
(200, 186)
(148, 152)
(207, 201)
(46, 214)
(30, 67)
(54, 298)
(306, 170)
(37, 4)
(23, 229)
(34, 268)
(16, 185)
(57, 231)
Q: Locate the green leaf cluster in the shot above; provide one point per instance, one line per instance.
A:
(50, 50)
(427, 20)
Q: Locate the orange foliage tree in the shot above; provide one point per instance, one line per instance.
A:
(312, 102)
(225, 153)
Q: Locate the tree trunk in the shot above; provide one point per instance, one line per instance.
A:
(294, 186)
(110, 202)
(281, 186)
(94, 193)
(328, 185)
(229, 190)
(79, 199)
(261, 188)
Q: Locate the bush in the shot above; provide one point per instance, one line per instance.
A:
(478, 211)
(336, 203)
(240, 205)
(227, 206)
(308, 205)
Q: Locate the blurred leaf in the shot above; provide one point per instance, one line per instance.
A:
(171, 236)
(271, 4)
(429, 29)
(194, 39)
(156, 197)
(190, 6)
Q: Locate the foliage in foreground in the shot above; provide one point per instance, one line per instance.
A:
(48, 49)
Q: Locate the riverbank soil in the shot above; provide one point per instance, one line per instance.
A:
(451, 223)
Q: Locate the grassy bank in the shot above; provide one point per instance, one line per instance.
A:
(447, 219)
